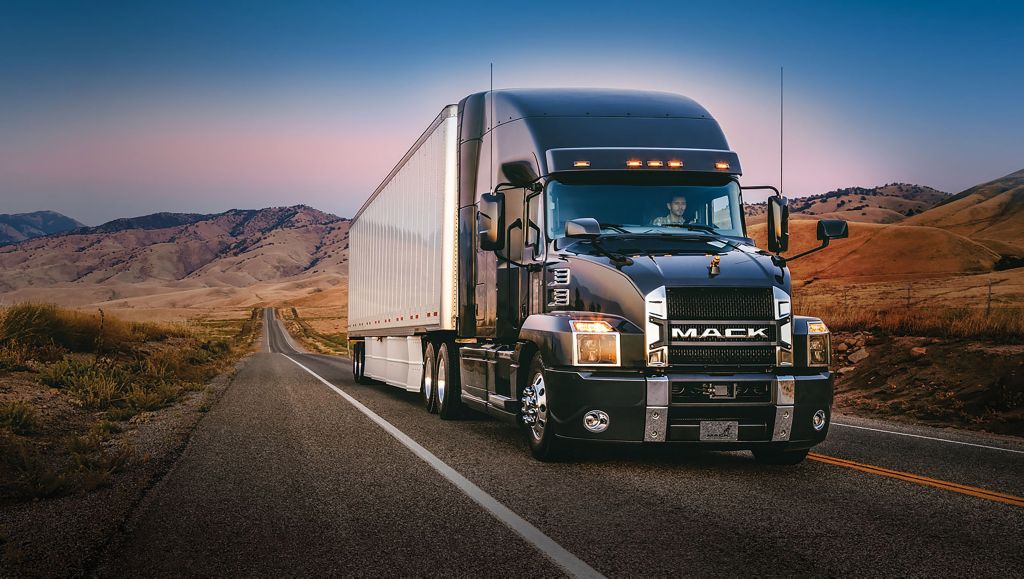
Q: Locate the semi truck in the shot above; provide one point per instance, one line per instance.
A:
(577, 262)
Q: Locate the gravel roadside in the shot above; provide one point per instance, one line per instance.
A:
(64, 537)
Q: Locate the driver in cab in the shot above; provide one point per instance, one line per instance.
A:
(676, 213)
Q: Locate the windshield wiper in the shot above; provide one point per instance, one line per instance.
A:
(691, 226)
(616, 258)
(615, 226)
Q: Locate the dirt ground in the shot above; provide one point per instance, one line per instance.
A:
(936, 381)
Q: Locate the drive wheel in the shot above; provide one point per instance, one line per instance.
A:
(446, 382)
(784, 457)
(359, 363)
(427, 389)
(536, 416)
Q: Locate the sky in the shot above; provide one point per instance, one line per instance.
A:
(114, 109)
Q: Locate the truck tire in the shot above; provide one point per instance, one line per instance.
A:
(540, 429)
(446, 379)
(428, 392)
(359, 363)
(784, 457)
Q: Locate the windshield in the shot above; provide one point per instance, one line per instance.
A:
(636, 208)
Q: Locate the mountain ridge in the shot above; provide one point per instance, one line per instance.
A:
(17, 227)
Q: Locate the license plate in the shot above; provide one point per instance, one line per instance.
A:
(719, 430)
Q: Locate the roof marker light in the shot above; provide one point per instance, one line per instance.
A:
(581, 164)
(655, 163)
(634, 163)
(675, 164)
(721, 165)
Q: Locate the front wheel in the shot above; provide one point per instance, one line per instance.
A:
(784, 457)
(536, 415)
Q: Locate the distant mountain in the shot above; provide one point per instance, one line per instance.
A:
(991, 214)
(143, 255)
(886, 204)
(22, 226)
(153, 221)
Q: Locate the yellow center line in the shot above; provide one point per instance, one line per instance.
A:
(922, 480)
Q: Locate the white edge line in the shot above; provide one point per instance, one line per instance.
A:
(929, 438)
(546, 545)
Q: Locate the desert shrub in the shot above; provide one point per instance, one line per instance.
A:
(24, 473)
(95, 384)
(143, 398)
(1004, 323)
(19, 417)
(15, 357)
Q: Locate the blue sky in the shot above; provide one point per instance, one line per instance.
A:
(110, 109)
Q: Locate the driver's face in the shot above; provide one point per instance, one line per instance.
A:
(677, 207)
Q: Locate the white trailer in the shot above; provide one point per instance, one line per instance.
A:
(403, 257)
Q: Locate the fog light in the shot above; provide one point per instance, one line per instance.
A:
(596, 421)
(818, 420)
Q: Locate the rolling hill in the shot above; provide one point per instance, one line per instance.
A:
(21, 226)
(181, 260)
(991, 214)
(886, 204)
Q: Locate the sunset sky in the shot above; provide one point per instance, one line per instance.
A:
(109, 109)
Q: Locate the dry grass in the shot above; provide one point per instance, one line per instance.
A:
(302, 328)
(111, 370)
(1002, 323)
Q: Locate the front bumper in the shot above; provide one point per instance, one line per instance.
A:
(651, 408)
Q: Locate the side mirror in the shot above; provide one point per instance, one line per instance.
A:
(582, 227)
(491, 221)
(832, 229)
(778, 224)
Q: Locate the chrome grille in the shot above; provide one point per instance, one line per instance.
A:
(559, 297)
(722, 355)
(560, 277)
(698, 303)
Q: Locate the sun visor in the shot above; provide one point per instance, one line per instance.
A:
(643, 159)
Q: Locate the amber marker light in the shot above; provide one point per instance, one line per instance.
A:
(721, 165)
(634, 163)
(655, 163)
(592, 327)
(675, 164)
(581, 164)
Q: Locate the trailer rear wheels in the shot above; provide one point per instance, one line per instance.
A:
(428, 390)
(786, 457)
(359, 363)
(540, 429)
(446, 382)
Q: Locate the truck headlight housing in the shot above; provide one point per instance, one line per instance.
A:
(594, 343)
(819, 344)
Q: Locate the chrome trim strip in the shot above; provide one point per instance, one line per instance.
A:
(656, 424)
(657, 391)
(785, 390)
(656, 320)
(783, 424)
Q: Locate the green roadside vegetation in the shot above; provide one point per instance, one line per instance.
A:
(70, 381)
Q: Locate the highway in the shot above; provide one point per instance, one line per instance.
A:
(300, 471)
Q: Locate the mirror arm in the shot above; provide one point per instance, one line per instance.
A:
(785, 259)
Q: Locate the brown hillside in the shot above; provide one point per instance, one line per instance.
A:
(991, 213)
(237, 258)
(875, 251)
(886, 204)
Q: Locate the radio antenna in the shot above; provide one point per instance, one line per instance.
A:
(491, 169)
(781, 124)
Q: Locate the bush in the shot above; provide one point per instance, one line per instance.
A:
(19, 417)
(41, 325)
(96, 385)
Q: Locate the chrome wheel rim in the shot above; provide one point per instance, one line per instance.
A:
(428, 375)
(442, 378)
(535, 406)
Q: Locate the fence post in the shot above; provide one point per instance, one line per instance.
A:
(908, 296)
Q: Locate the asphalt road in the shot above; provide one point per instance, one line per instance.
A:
(287, 475)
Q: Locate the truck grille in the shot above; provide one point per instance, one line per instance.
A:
(698, 332)
(721, 355)
(698, 303)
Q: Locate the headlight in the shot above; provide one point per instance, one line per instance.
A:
(819, 344)
(595, 343)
